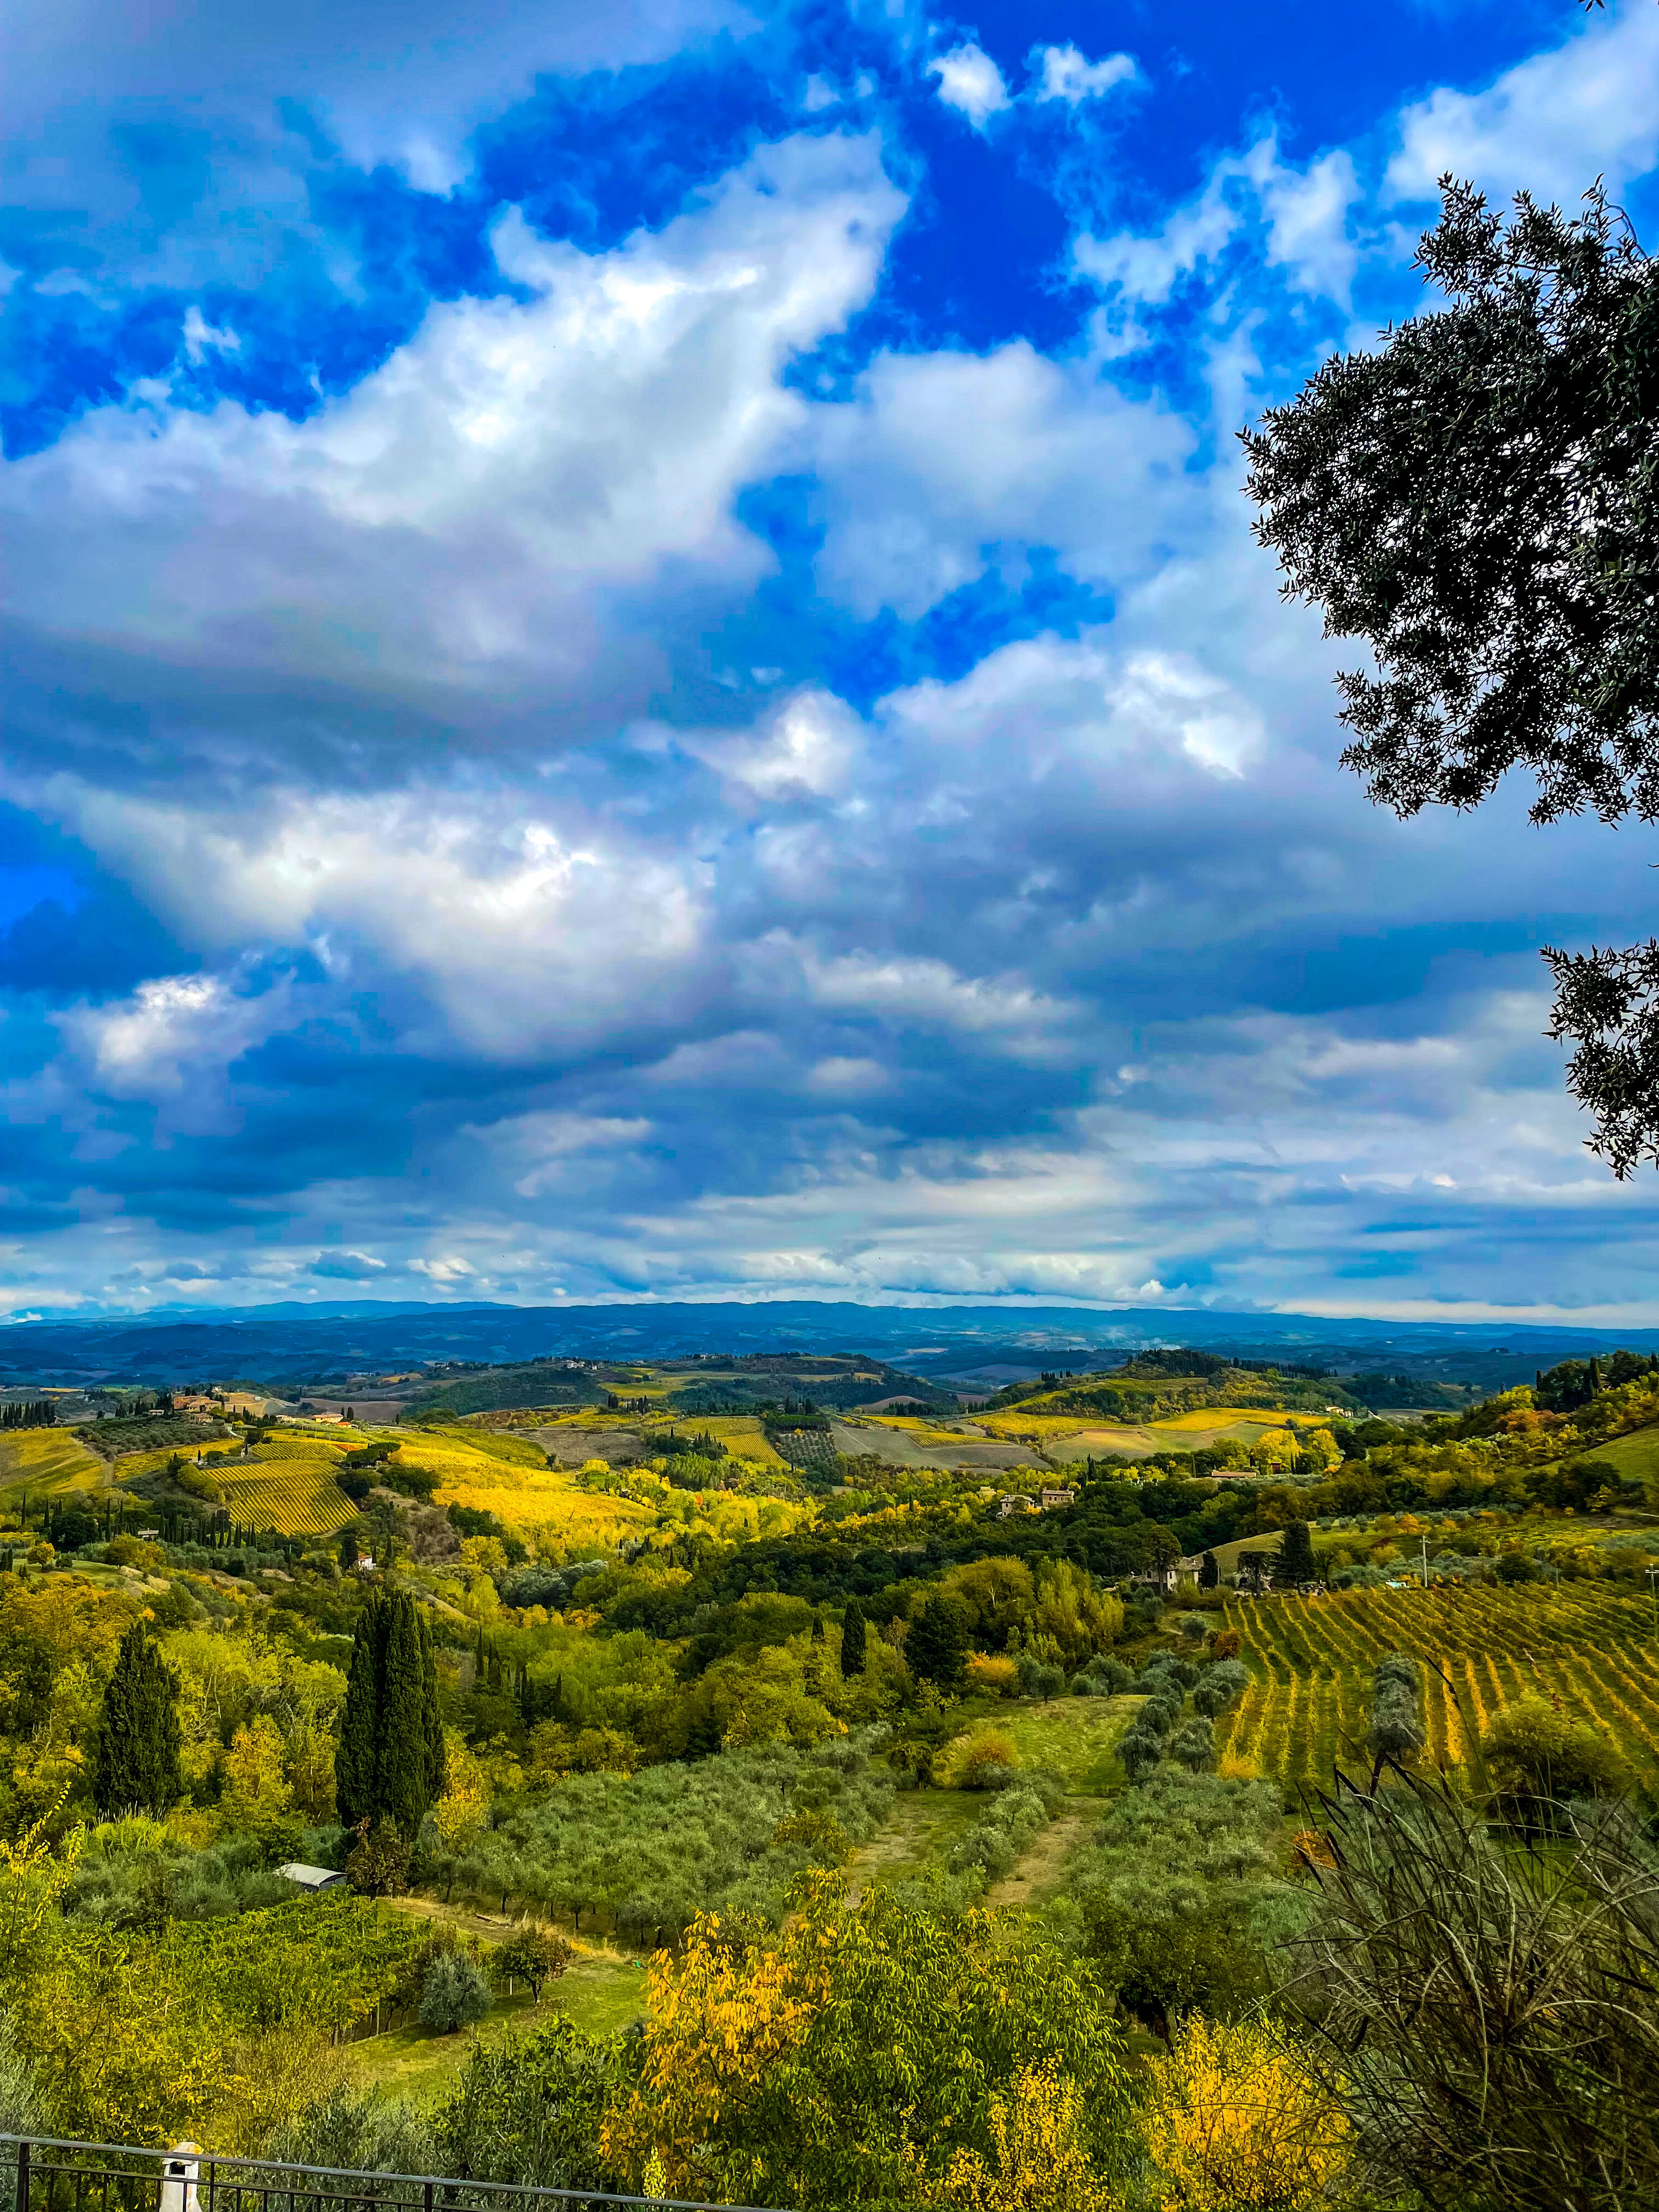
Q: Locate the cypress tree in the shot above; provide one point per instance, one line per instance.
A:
(390, 1763)
(1296, 1564)
(1209, 1574)
(353, 1761)
(137, 1766)
(936, 1645)
(851, 1639)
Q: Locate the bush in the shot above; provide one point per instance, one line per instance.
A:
(454, 1992)
(1038, 1679)
(1491, 2015)
(1538, 1758)
(994, 1677)
(528, 2109)
(358, 2132)
(1234, 2116)
(986, 1762)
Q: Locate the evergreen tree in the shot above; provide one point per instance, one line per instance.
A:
(1295, 1563)
(1209, 1574)
(390, 1763)
(937, 1645)
(851, 1639)
(137, 1766)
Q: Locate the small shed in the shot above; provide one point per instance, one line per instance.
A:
(311, 1877)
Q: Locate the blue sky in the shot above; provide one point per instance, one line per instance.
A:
(635, 667)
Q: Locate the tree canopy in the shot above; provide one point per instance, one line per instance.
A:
(1475, 499)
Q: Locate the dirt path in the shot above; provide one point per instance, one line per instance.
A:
(1040, 1872)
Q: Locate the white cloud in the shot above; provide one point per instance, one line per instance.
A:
(174, 1034)
(970, 82)
(1304, 213)
(1555, 122)
(810, 744)
(447, 1267)
(459, 512)
(942, 463)
(1081, 708)
(1067, 76)
(519, 931)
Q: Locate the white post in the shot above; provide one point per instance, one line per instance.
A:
(179, 2172)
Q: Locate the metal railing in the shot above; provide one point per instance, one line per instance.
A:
(50, 2174)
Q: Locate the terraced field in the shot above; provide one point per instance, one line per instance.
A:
(1306, 1709)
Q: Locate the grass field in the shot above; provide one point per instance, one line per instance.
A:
(1077, 1737)
(1592, 1647)
(42, 1460)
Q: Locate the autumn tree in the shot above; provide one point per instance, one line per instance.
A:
(846, 2058)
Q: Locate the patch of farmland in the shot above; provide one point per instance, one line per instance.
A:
(901, 1448)
(295, 1497)
(47, 1460)
(1310, 1660)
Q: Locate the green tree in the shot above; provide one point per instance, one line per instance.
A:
(1295, 1564)
(390, 1764)
(1538, 1757)
(528, 2109)
(937, 1645)
(853, 1638)
(138, 1737)
(532, 1956)
(1209, 1574)
(454, 1992)
(1475, 498)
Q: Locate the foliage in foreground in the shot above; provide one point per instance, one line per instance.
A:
(853, 2057)
(1490, 2013)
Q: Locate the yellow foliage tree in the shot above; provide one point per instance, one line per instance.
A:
(460, 1813)
(1040, 2159)
(845, 2059)
(1233, 2122)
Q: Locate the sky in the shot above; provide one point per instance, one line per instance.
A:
(635, 666)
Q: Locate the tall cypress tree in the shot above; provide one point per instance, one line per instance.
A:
(937, 1645)
(137, 1768)
(1296, 1564)
(1209, 1574)
(353, 1761)
(389, 1763)
(851, 1639)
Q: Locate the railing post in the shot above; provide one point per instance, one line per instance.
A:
(22, 2204)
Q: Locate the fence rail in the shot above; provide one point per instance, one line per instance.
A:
(49, 2174)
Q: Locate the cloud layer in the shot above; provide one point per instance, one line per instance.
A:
(676, 695)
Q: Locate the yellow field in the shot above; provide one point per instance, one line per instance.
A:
(48, 1460)
(552, 1509)
(297, 1497)
(741, 1433)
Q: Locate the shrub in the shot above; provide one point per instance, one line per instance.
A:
(1221, 1687)
(1103, 1678)
(986, 1762)
(454, 1992)
(994, 1677)
(1491, 2015)
(1538, 1758)
(1233, 2116)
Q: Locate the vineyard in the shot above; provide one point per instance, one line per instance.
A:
(1306, 1709)
(296, 1496)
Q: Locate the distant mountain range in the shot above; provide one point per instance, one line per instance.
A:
(298, 1343)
